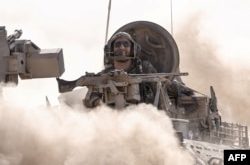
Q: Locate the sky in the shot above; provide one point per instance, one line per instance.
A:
(78, 26)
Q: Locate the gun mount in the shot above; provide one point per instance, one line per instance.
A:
(26, 59)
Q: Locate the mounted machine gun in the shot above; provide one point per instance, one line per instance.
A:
(24, 58)
(119, 88)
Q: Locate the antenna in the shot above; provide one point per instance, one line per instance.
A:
(107, 25)
(47, 101)
(171, 13)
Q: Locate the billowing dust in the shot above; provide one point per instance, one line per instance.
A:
(199, 56)
(138, 135)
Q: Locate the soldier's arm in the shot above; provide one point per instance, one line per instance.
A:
(92, 98)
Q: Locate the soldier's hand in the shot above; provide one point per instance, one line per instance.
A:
(94, 100)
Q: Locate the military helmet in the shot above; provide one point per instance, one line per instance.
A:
(108, 50)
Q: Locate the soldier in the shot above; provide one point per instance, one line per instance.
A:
(122, 53)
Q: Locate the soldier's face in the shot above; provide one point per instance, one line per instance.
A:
(122, 47)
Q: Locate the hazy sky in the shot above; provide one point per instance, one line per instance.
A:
(78, 26)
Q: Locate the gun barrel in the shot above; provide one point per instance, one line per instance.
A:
(161, 74)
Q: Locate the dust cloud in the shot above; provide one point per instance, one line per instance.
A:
(201, 58)
(39, 135)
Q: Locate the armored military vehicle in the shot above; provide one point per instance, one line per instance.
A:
(194, 115)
